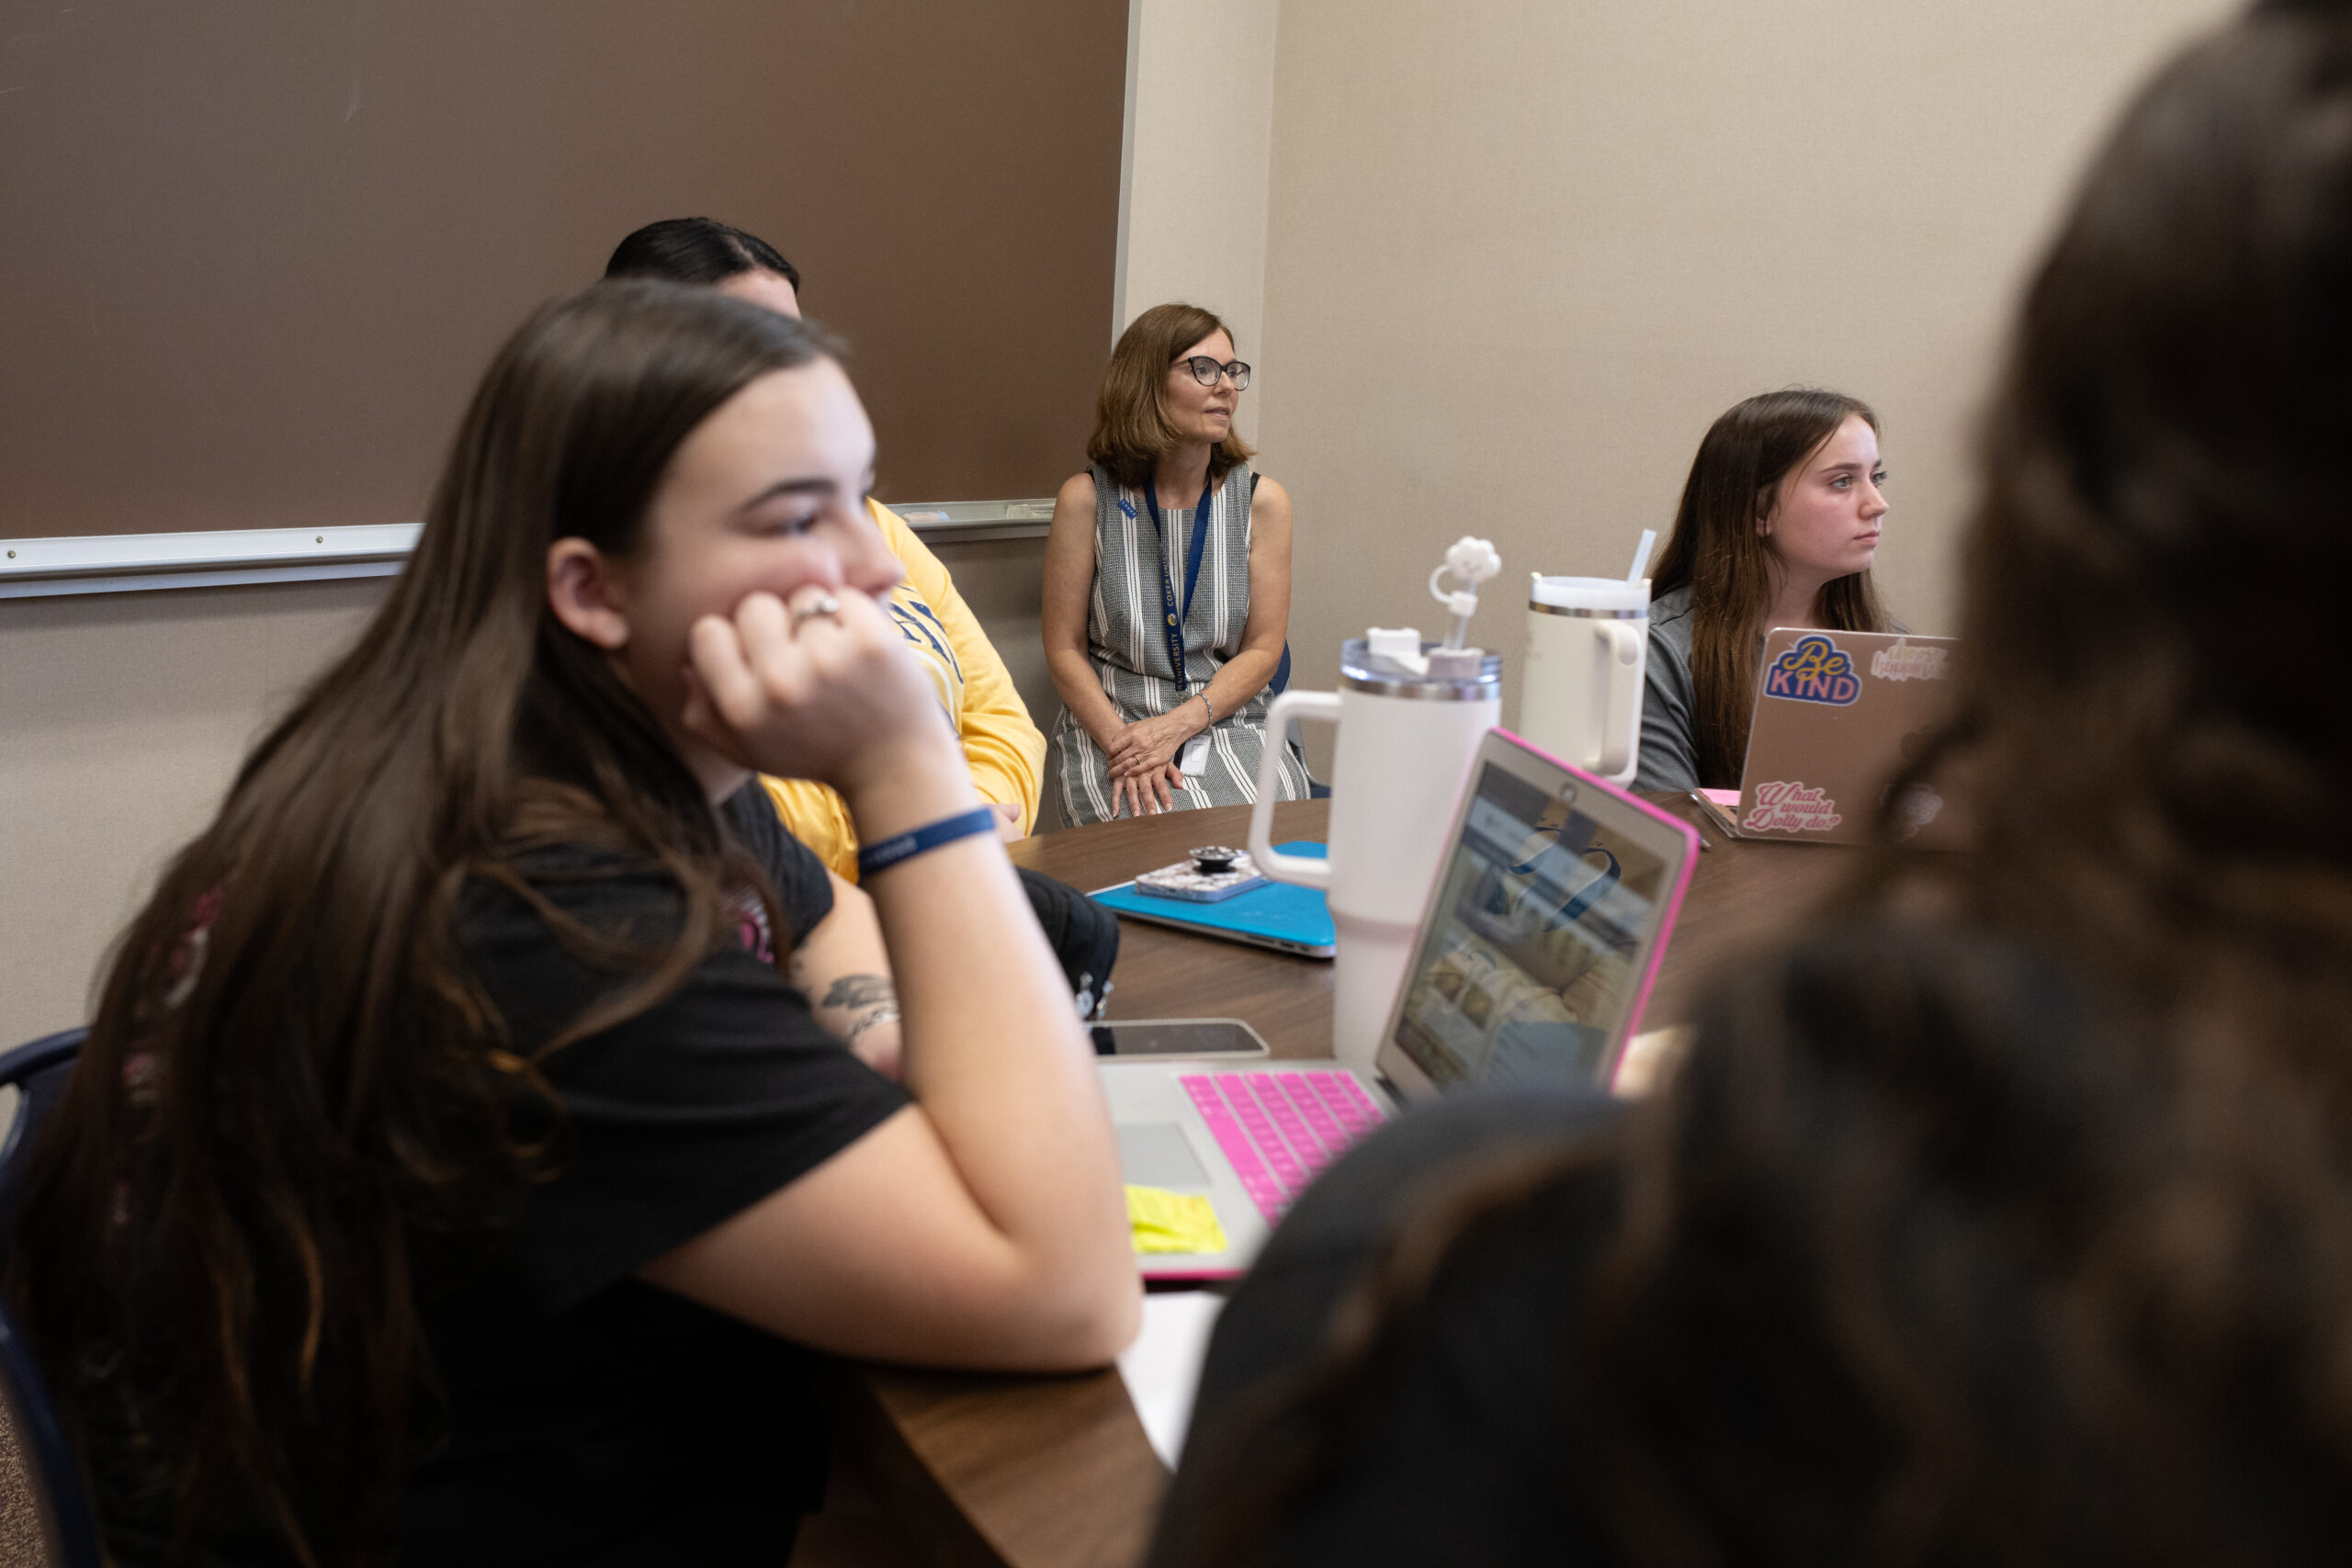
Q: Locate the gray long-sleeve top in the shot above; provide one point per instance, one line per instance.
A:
(1669, 702)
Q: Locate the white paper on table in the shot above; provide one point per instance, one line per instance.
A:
(1163, 1366)
(1648, 1058)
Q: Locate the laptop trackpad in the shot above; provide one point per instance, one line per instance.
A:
(1154, 1153)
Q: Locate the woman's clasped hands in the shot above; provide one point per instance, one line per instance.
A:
(1143, 756)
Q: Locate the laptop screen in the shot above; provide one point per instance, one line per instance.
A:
(1528, 964)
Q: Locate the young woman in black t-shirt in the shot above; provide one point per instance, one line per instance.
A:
(452, 1174)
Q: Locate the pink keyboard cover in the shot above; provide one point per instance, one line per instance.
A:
(1279, 1129)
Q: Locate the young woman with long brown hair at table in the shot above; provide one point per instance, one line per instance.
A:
(1778, 524)
(452, 1176)
(2002, 1220)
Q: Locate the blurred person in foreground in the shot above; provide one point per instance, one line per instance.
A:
(2006, 1219)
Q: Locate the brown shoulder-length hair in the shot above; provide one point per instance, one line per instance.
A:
(1717, 553)
(294, 1081)
(1131, 429)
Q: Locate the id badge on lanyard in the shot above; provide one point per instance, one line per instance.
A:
(1193, 757)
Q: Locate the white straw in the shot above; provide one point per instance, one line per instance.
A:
(1642, 555)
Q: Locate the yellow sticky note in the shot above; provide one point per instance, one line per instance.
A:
(1173, 1222)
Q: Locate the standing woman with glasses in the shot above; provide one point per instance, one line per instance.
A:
(1167, 586)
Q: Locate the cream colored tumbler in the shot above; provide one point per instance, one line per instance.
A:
(1588, 651)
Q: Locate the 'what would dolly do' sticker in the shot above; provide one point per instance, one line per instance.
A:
(1790, 807)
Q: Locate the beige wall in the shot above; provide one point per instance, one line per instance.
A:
(121, 720)
(1198, 159)
(1519, 255)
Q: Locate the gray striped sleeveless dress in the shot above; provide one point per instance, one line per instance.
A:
(1130, 655)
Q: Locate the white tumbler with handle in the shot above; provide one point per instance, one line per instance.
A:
(1410, 716)
(1588, 652)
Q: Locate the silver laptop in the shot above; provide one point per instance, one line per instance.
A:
(1538, 947)
(1838, 715)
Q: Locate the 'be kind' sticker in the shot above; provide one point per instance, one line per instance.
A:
(1814, 671)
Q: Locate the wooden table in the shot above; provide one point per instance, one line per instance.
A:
(1055, 1473)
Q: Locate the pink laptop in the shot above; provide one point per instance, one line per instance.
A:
(1538, 947)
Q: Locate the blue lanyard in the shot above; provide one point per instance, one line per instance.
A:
(1171, 622)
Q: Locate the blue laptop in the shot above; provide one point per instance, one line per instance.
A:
(1286, 918)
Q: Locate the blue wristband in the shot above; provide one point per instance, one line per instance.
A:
(906, 846)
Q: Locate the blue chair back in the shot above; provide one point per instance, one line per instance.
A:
(39, 1071)
(1279, 684)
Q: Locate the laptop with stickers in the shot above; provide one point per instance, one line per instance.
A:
(1538, 946)
(1837, 714)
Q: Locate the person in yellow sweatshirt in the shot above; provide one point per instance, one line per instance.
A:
(1003, 747)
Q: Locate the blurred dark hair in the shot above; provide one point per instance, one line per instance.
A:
(2044, 1261)
(293, 1081)
(1716, 552)
(697, 250)
(2151, 730)
(1916, 1259)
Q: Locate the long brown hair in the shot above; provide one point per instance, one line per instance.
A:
(2128, 1110)
(1716, 552)
(1131, 428)
(293, 1082)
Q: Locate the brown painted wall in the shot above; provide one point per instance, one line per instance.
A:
(252, 256)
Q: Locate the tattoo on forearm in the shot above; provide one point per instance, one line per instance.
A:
(883, 1014)
(862, 991)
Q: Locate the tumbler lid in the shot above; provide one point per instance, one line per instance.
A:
(1432, 675)
(1589, 593)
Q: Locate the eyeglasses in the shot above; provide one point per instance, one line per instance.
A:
(1206, 370)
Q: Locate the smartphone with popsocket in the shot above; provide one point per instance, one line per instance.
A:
(1214, 874)
(1177, 1037)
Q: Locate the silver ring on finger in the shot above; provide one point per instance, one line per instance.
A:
(824, 604)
